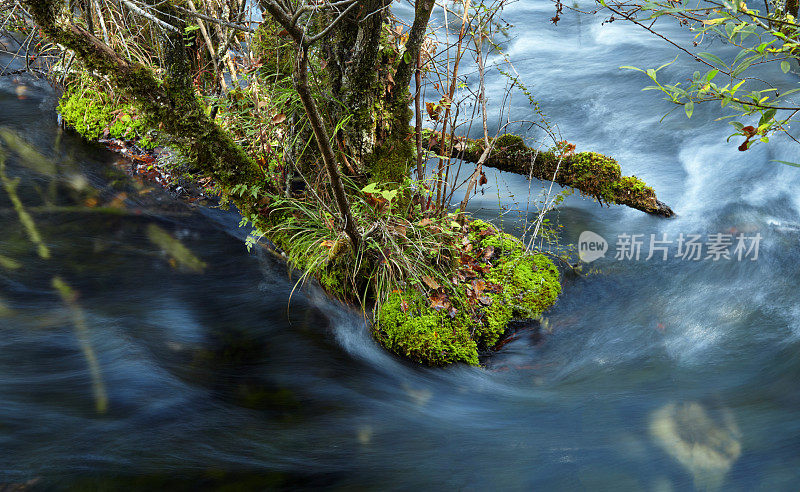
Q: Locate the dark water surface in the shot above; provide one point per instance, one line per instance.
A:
(212, 379)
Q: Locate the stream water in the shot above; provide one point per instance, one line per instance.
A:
(214, 378)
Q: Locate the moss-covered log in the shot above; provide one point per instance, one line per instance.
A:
(592, 174)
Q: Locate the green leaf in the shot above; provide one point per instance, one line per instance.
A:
(785, 66)
(741, 68)
(370, 188)
(711, 57)
(729, 29)
(631, 68)
(740, 56)
(389, 195)
(713, 22)
(711, 74)
(407, 58)
(667, 64)
(689, 108)
(767, 116)
(786, 162)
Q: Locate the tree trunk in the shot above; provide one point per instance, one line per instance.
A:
(359, 70)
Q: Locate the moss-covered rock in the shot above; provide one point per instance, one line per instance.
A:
(409, 327)
(518, 285)
(529, 285)
(510, 143)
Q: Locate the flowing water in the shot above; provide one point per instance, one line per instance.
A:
(648, 375)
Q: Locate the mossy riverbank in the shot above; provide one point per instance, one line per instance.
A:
(434, 321)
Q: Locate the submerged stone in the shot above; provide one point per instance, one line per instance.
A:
(706, 446)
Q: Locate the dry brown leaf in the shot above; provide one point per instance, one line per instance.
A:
(431, 283)
(439, 301)
(433, 110)
(399, 229)
(488, 253)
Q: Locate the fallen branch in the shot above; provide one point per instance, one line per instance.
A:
(592, 174)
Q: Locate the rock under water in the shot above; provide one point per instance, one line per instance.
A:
(706, 445)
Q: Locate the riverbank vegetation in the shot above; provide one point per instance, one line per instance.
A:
(339, 132)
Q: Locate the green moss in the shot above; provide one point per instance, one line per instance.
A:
(631, 184)
(409, 327)
(391, 159)
(510, 143)
(497, 318)
(593, 174)
(528, 284)
(95, 114)
(479, 225)
(475, 147)
(504, 243)
(476, 227)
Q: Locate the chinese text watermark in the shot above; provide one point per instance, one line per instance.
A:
(689, 247)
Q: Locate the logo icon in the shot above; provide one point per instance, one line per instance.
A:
(591, 246)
